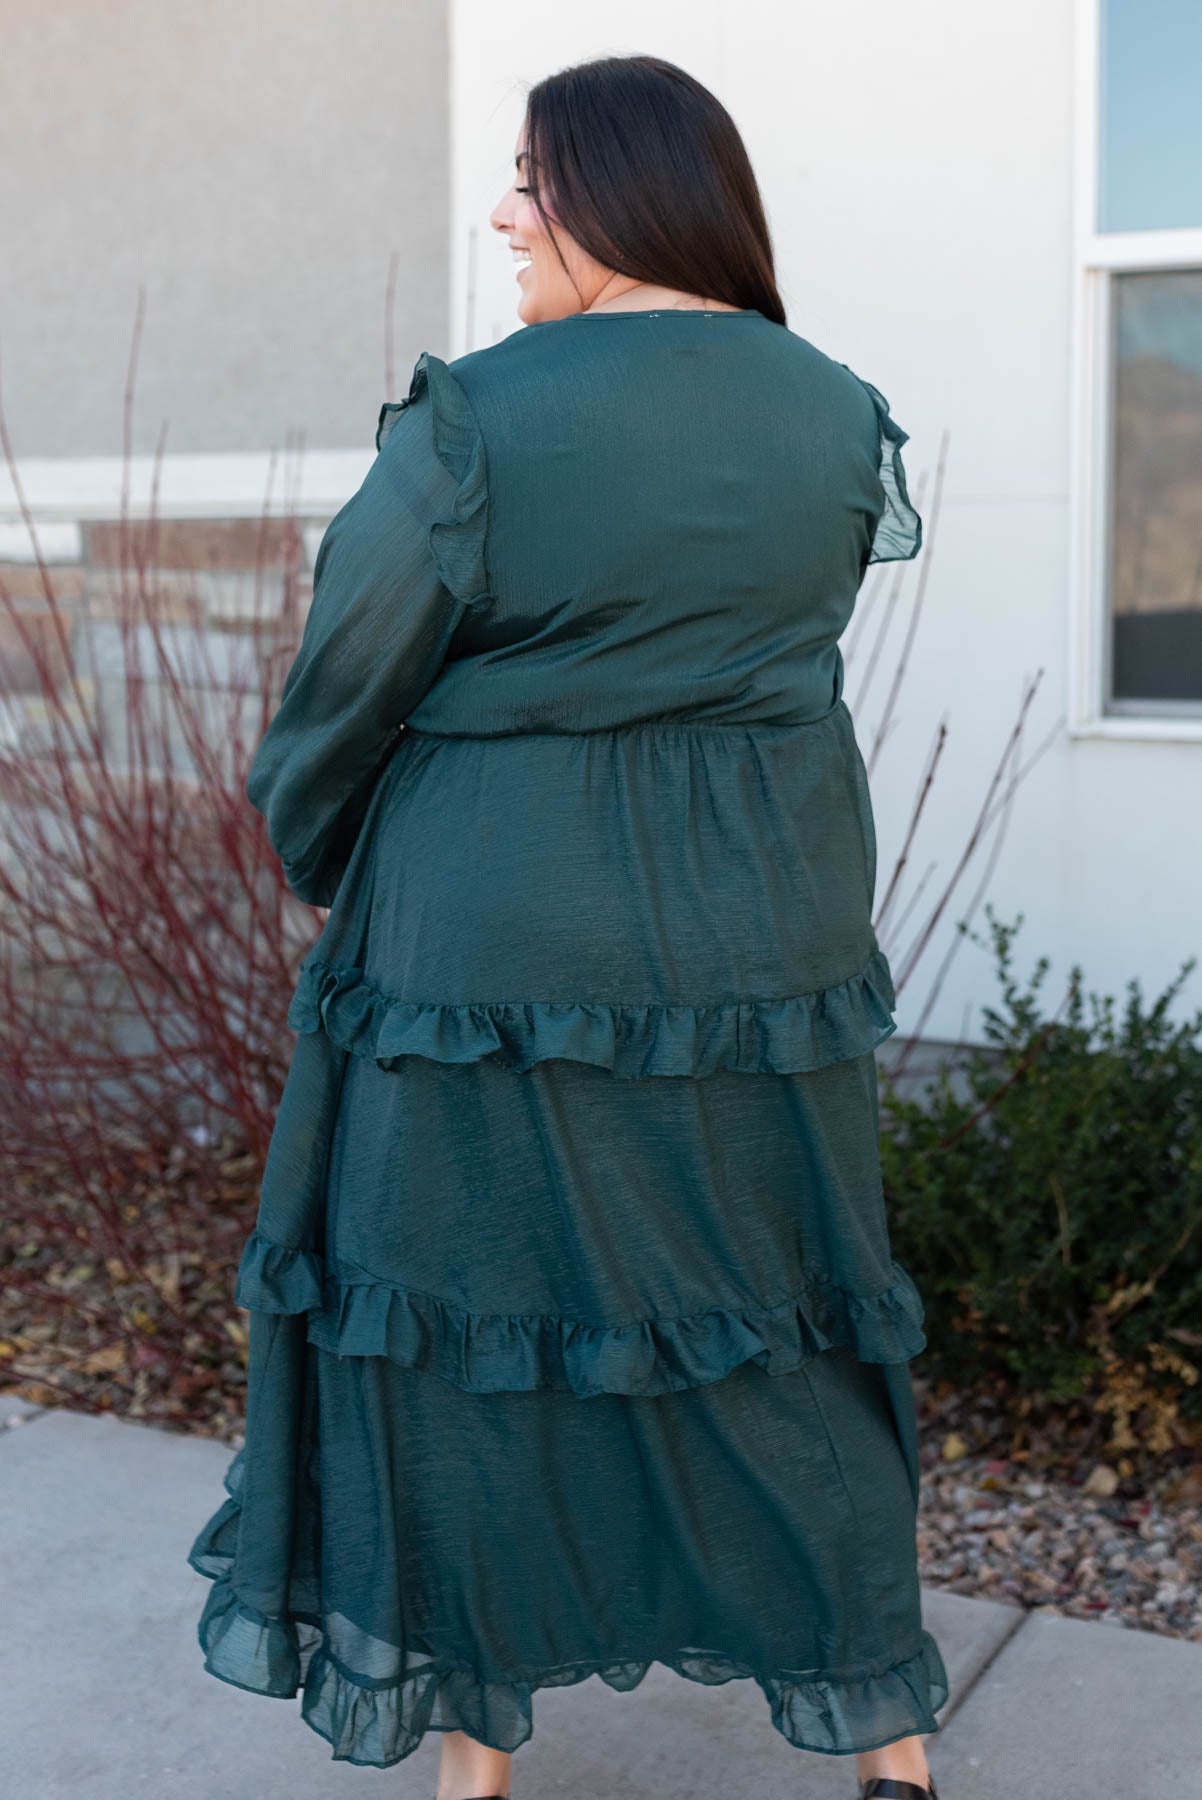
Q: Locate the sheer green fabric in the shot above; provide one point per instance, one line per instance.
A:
(577, 1340)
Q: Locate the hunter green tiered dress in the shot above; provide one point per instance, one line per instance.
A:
(576, 1340)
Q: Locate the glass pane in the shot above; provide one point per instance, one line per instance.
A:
(1156, 489)
(1150, 115)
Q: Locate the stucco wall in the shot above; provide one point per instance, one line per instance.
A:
(253, 167)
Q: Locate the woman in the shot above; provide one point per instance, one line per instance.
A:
(576, 1342)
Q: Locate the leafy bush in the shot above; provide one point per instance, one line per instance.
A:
(1053, 1217)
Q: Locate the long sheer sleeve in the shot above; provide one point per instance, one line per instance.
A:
(397, 568)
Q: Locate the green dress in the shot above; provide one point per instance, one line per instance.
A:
(576, 1340)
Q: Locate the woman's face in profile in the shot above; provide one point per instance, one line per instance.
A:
(545, 289)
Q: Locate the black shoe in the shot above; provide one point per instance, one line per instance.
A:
(886, 1787)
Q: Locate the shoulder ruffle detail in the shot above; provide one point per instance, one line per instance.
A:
(379, 1720)
(779, 1036)
(457, 543)
(353, 1314)
(898, 533)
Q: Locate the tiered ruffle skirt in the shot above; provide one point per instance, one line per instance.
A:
(555, 1373)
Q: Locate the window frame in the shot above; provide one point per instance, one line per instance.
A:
(1098, 257)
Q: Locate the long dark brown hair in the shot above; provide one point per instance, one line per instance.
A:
(647, 172)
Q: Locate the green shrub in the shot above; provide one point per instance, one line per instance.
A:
(1052, 1218)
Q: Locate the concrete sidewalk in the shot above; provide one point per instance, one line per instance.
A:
(105, 1695)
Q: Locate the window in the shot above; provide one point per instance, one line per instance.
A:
(1149, 143)
(1138, 588)
(1156, 490)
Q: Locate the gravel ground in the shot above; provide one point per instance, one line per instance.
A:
(1090, 1544)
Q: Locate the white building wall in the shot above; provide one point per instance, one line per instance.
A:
(920, 171)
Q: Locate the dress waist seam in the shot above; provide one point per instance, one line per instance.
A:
(682, 728)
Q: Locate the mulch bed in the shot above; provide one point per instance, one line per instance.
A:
(133, 1312)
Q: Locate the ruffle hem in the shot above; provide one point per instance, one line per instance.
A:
(759, 1037)
(354, 1314)
(378, 1720)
